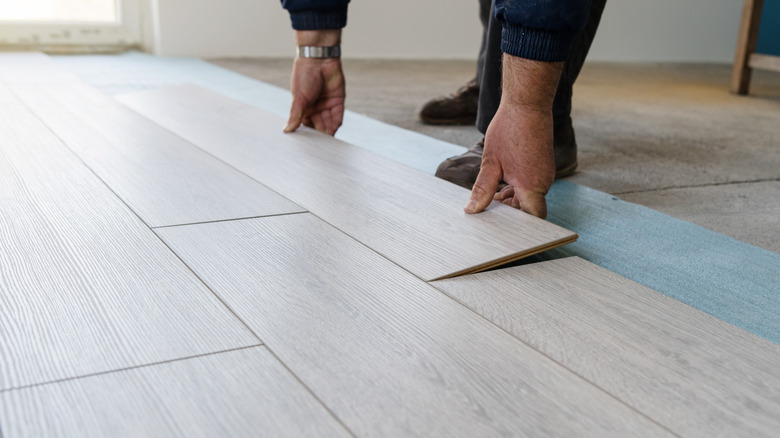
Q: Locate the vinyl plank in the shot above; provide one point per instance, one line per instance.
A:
(31, 68)
(387, 353)
(162, 177)
(244, 393)
(412, 218)
(85, 286)
(689, 371)
(6, 96)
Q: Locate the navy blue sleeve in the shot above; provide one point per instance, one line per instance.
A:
(543, 30)
(317, 14)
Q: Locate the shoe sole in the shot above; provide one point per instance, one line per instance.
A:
(566, 171)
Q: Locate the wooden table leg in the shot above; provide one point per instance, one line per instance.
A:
(746, 45)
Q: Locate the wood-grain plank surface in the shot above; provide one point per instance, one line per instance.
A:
(410, 217)
(689, 371)
(387, 353)
(162, 177)
(85, 286)
(244, 393)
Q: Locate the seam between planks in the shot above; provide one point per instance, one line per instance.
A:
(298, 379)
(578, 375)
(588, 382)
(65, 145)
(259, 182)
(229, 220)
(85, 376)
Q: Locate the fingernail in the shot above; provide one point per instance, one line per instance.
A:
(470, 206)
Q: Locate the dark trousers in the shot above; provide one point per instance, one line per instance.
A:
(489, 67)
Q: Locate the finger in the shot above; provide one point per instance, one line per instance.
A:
(531, 203)
(485, 187)
(319, 124)
(327, 121)
(296, 115)
(505, 193)
(338, 117)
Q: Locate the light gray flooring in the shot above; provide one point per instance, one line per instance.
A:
(85, 286)
(163, 178)
(352, 325)
(412, 218)
(287, 325)
(643, 130)
(245, 392)
(594, 321)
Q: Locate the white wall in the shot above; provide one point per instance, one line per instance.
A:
(631, 30)
(668, 30)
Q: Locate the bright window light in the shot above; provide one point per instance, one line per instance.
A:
(89, 11)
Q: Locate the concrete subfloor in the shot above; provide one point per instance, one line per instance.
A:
(667, 136)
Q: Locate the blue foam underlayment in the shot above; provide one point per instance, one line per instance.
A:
(726, 278)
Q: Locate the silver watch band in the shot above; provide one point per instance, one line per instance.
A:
(319, 52)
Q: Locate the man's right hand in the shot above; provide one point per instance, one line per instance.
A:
(317, 86)
(519, 139)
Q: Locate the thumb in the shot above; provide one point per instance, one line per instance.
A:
(296, 115)
(484, 187)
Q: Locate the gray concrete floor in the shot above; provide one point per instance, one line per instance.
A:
(667, 136)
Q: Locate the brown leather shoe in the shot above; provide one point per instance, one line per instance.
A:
(456, 109)
(463, 169)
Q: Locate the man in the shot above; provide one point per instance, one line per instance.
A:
(468, 105)
(536, 39)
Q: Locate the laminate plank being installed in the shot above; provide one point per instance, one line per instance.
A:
(163, 178)
(412, 218)
(687, 370)
(244, 393)
(85, 286)
(387, 353)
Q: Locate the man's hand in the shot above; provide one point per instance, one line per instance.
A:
(317, 86)
(519, 140)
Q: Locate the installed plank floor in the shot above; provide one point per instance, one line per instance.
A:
(687, 370)
(31, 68)
(412, 218)
(85, 286)
(162, 177)
(244, 393)
(386, 352)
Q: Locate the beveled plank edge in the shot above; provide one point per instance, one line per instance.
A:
(97, 169)
(144, 365)
(263, 349)
(510, 258)
(110, 196)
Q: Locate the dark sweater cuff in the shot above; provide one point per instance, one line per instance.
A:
(537, 44)
(319, 20)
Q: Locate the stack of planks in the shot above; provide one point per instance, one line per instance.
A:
(172, 265)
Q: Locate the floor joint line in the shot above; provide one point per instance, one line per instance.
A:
(117, 370)
(229, 220)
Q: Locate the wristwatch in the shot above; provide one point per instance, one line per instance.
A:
(319, 52)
